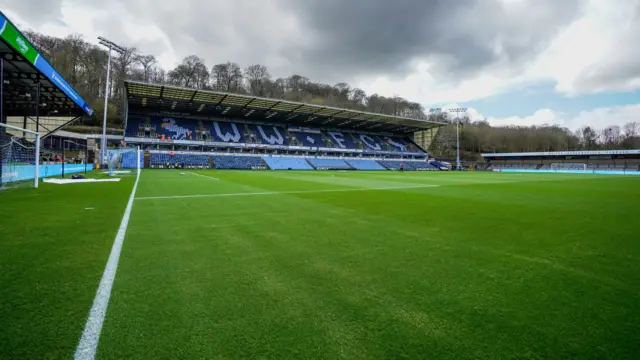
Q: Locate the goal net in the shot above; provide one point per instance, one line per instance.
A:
(569, 166)
(19, 157)
(127, 161)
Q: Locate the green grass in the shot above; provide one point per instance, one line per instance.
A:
(481, 266)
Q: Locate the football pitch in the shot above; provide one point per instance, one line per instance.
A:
(326, 265)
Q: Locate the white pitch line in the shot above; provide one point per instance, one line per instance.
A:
(210, 177)
(283, 192)
(88, 345)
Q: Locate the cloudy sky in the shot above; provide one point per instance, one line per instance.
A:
(566, 62)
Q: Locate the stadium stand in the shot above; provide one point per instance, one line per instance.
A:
(395, 164)
(365, 165)
(228, 132)
(287, 163)
(186, 130)
(329, 164)
(186, 160)
(309, 139)
(238, 162)
(269, 135)
(205, 128)
(129, 160)
(438, 165)
(595, 161)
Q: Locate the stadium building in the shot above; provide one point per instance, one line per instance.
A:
(622, 162)
(179, 127)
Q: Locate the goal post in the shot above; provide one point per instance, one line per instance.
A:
(124, 161)
(19, 157)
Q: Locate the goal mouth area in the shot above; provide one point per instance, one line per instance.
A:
(19, 157)
(124, 161)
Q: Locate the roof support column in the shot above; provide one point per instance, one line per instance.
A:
(38, 106)
(126, 112)
(2, 119)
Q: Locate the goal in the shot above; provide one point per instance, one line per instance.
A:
(124, 161)
(19, 157)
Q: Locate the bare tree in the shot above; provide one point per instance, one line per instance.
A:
(227, 77)
(258, 78)
(147, 62)
(84, 65)
(191, 72)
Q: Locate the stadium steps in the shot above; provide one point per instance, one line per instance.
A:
(437, 165)
(359, 144)
(310, 164)
(211, 164)
(292, 139)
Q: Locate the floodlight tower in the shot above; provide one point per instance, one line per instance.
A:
(120, 50)
(457, 111)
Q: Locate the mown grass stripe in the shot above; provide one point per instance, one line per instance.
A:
(88, 345)
(283, 192)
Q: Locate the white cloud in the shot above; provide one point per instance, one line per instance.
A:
(421, 86)
(597, 52)
(596, 46)
(594, 52)
(82, 19)
(598, 118)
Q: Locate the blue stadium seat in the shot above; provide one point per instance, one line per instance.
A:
(132, 127)
(438, 165)
(365, 165)
(342, 141)
(408, 165)
(370, 142)
(270, 135)
(286, 163)
(193, 160)
(309, 139)
(176, 129)
(227, 132)
(238, 162)
(129, 159)
(329, 164)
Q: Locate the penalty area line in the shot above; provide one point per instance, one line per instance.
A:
(88, 345)
(208, 177)
(284, 192)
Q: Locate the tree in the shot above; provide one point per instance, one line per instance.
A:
(122, 66)
(589, 137)
(358, 97)
(610, 137)
(631, 129)
(227, 77)
(191, 72)
(258, 78)
(147, 62)
(85, 66)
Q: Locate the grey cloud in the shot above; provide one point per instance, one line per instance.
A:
(338, 40)
(363, 37)
(37, 11)
(621, 70)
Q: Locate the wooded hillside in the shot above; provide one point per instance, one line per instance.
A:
(84, 65)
